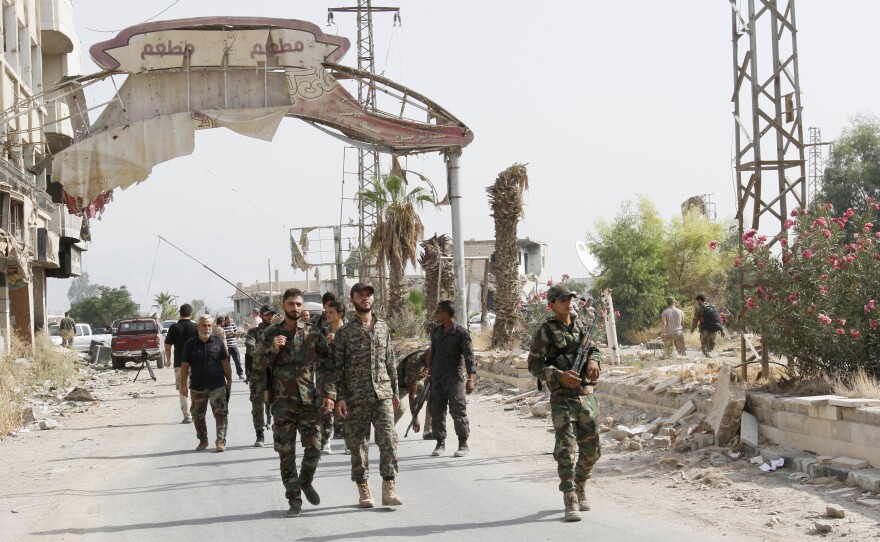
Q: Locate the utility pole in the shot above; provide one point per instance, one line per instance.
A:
(817, 162)
(368, 160)
(770, 165)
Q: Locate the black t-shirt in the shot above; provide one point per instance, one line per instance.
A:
(178, 334)
(206, 360)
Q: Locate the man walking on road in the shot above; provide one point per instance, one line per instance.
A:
(257, 378)
(178, 334)
(366, 381)
(450, 361)
(206, 364)
(671, 330)
(573, 406)
(67, 327)
(333, 316)
(295, 351)
(231, 332)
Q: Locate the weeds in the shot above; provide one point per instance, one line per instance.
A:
(859, 385)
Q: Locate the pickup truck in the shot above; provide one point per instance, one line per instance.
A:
(82, 340)
(134, 335)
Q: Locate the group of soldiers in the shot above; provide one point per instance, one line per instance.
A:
(326, 373)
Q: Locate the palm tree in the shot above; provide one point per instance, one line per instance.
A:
(438, 285)
(165, 305)
(506, 202)
(398, 230)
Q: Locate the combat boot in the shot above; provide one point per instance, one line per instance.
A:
(440, 448)
(462, 449)
(583, 502)
(260, 439)
(571, 506)
(389, 494)
(366, 498)
(295, 508)
(203, 445)
(428, 435)
(311, 495)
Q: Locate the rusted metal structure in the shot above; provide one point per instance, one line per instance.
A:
(769, 137)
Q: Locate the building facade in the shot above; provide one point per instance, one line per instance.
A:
(532, 262)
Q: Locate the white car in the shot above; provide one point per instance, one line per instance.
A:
(475, 323)
(82, 340)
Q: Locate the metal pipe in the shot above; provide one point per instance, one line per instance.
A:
(453, 166)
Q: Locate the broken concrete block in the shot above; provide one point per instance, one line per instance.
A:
(873, 503)
(813, 400)
(835, 511)
(541, 409)
(824, 459)
(853, 403)
(823, 527)
(28, 416)
(662, 442)
(849, 463)
(748, 430)
(79, 394)
(703, 440)
(48, 423)
(663, 386)
(727, 406)
(867, 479)
(635, 446)
(685, 409)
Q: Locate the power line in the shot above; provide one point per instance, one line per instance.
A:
(142, 22)
(237, 193)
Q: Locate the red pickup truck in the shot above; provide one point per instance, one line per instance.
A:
(132, 337)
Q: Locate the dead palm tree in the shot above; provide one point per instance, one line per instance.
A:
(398, 230)
(506, 202)
(439, 275)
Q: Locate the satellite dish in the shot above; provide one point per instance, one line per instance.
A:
(583, 254)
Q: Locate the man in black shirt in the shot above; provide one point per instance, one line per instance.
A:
(206, 361)
(451, 348)
(178, 334)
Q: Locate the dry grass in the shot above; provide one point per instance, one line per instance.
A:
(45, 363)
(482, 339)
(860, 385)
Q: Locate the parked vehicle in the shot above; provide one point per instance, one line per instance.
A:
(82, 339)
(102, 335)
(166, 325)
(475, 324)
(131, 337)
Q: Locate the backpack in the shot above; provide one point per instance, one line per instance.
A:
(710, 319)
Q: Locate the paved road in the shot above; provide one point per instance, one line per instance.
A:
(155, 487)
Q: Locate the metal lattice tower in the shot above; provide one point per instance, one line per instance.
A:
(817, 163)
(770, 165)
(368, 160)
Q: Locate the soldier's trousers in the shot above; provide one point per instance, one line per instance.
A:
(219, 407)
(707, 341)
(577, 438)
(403, 408)
(379, 414)
(451, 392)
(289, 418)
(258, 389)
(327, 418)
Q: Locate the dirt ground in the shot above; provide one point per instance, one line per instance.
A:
(734, 498)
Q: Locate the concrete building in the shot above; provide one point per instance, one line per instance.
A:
(39, 239)
(532, 268)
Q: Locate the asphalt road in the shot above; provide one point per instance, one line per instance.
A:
(156, 487)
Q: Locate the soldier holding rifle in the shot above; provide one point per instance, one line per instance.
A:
(574, 408)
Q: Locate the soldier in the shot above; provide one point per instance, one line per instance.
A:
(68, 330)
(257, 378)
(295, 351)
(573, 406)
(706, 317)
(366, 382)
(204, 364)
(412, 374)
(451, 355)
(333, 318)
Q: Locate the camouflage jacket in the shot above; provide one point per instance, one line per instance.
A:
(295, 365)
(364, 363)
(251, 342)
(553, 351)
(410, 370)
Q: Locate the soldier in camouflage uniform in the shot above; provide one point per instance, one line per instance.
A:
(295, 351)
(411, 376)
(366, 393)
(257, 378)
(574, 408)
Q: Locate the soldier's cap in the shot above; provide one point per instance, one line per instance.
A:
(266, 309)
(361, 286)
(558, 292)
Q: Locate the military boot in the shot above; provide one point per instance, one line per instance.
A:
(462, 449)
(571, 506)
(366, 498)
(389, 494)
(440, 448)
(260, 439)
(295, 508)
(311, 495)
(583, 502)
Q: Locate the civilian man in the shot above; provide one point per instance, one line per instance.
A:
(178, 334)
(231, 332)
(671, 331)
(206, 363)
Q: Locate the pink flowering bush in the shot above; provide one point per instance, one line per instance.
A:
(814, 298)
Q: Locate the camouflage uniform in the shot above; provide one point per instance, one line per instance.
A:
(366, 378)
(574, 410)
(257, 378)
(293, 407)
(199, 410)
(409, 372)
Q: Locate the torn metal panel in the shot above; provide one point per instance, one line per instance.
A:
(257, 123)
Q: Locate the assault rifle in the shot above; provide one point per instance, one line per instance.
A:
(584, 350)
(420, 402)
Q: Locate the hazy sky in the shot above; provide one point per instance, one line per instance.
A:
(602, 100)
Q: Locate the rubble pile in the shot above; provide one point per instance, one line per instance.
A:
(511, 368)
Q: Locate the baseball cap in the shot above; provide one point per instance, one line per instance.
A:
(361, 286)
(266, 309)
(558, 292)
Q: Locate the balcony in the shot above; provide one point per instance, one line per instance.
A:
(47, 249)
(66, 226)
(56, 26)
